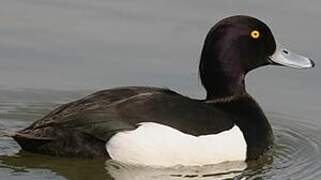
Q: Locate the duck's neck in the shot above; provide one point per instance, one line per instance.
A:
(221, 70)
(222, 83)
(224, 87)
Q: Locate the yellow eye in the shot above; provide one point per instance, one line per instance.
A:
(255, 34)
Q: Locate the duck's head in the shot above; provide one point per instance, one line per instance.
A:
(235, 46)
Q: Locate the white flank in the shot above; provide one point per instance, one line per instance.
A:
(155, 144)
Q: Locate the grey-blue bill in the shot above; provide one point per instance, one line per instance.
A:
(284, 57)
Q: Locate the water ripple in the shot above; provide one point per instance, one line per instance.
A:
(296, 153)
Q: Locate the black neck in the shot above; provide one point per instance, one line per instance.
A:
(249, 117)
(220, 70)
(225, 87)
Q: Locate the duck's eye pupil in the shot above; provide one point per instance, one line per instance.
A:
(255, 34)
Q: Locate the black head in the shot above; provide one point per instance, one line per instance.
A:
(233, 47)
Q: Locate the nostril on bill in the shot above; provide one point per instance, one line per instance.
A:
(285, 51)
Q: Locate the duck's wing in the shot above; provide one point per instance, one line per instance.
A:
(96, 110)
(100, 101)
(110, 111)
(101, 115)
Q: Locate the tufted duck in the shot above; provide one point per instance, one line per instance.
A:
(154, 126)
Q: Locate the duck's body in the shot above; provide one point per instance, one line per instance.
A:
(85, 127)
(154, 126)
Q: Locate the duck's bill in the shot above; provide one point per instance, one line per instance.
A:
(287, 58)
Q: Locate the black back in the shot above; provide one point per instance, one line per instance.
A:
(146, 105)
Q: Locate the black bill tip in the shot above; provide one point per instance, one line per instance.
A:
(312, 62)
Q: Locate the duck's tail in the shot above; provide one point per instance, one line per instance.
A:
(27, 142)
(62, 142)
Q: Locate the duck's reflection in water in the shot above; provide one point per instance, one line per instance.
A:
(36, 166)
(224, 170)
(29, 166)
